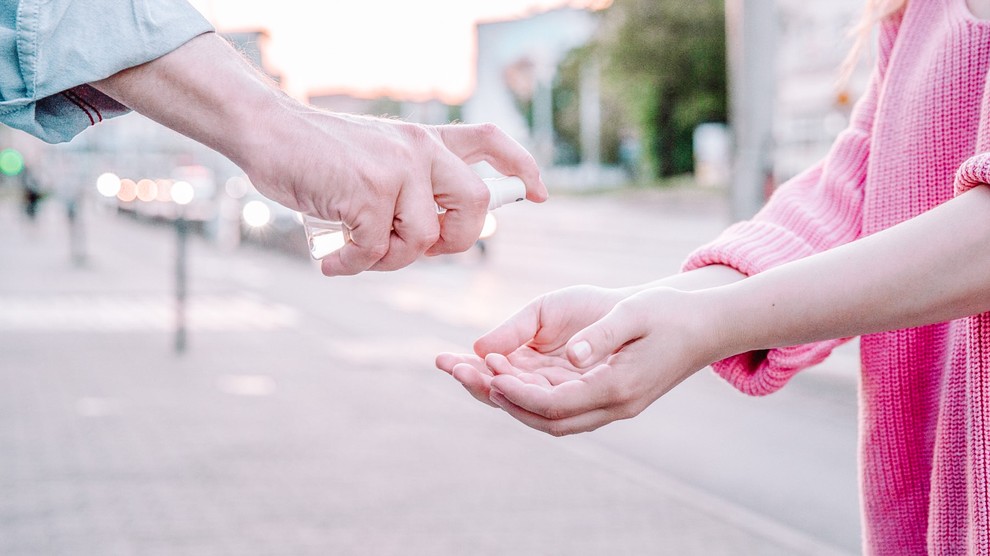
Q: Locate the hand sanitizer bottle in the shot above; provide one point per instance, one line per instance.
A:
(327, 236)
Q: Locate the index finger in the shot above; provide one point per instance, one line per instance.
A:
(414, 227)
(461, 192)
(488, 143)
(593, 390)
(512, 334)
(447, 361)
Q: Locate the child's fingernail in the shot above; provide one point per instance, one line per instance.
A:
(581, 351)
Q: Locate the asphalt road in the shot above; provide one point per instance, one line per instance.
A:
(306, 416)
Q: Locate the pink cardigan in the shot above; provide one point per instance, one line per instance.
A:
(920, 135)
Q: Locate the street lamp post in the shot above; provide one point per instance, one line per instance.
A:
(182, 235)
(182, 194)
(750, 40)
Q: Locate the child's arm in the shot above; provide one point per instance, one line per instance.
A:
(932, 268)
(929, 269)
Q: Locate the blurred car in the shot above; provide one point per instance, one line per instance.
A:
(265, 222)
(155, 199)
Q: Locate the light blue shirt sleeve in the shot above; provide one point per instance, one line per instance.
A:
(51, 49)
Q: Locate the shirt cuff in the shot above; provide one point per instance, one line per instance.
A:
(62, 45)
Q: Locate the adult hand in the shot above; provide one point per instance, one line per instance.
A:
(383, 178)
(380, 177)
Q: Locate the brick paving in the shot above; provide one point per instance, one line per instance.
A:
(269, 436)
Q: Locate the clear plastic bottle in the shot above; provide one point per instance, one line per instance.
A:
(327, 236)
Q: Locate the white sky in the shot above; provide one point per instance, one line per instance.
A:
(410, 48)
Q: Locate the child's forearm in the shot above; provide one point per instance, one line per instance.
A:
(711, 276)
(932, 268)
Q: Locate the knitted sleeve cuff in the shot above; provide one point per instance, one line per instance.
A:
(974, 172)
(759, 373)
(753, 247)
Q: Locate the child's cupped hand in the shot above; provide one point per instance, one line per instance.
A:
(579, 358)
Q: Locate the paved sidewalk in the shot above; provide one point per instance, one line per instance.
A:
(281, 432)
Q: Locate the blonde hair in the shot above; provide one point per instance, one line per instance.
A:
(875, 12)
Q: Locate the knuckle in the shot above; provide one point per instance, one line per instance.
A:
(430, 238)
(629, 410)
(626, 393)
(416, 133)
(619, 394)
(418, 136)
(623, 310)
(527, 160)
(608, 337)
(378, 250)
(455, 245)
(488, 131)
(422, 242)
(460, 242)
(477, 198)
(553, 413)
(557, 430)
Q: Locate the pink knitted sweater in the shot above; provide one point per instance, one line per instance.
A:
(919, 135)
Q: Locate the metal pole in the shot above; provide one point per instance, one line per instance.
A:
(543, 132)
(751, 28)
(182, 235)
(591, 113)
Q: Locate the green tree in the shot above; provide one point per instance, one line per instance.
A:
(567, 124)
(667, 57)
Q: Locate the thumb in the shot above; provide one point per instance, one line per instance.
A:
(604, 337)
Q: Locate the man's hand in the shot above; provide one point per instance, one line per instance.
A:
(383, 179)
(380, 177)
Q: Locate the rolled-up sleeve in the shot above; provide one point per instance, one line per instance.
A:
(973, 173)
(51, 49)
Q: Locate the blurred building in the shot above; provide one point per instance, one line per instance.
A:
(518, 59)
(516, 70)
(517, 62)
(430, 112)
(812, 106)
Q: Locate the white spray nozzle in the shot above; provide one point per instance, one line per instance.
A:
(505, 190)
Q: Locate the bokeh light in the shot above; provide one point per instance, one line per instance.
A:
(164, 190)
(488, 229)
(11, 162)
(182, 192)
(128, 190)
(108, 184)
(257, 214)
(236, 187)
(147, 190)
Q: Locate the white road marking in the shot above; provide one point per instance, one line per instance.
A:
(139, 313)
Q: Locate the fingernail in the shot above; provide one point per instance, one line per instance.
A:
(581, 351)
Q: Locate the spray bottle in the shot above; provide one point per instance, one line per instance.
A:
(327, 236)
